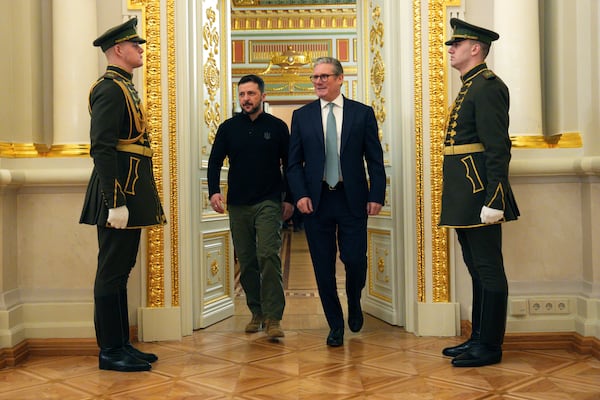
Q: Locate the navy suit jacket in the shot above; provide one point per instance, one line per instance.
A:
(359, 143)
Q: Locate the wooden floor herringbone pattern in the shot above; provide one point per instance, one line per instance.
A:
(381, 362)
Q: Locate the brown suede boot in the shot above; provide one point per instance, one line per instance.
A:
(273, 329)
(255, 324)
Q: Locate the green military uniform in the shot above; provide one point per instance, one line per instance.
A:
(475, 172)
(120, 147)
(122, 176)
(477, 152)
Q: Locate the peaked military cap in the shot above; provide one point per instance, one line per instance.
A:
(120, 33)
(463, 30)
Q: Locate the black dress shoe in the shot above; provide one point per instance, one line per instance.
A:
(148, 357)
(336, 337)
(478, 356)
(355, 321)
(119, 359)
(458, 350)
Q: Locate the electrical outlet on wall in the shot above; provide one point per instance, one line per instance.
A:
(549, 306)
(518, 307)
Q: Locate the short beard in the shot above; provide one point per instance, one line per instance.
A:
(254, 110)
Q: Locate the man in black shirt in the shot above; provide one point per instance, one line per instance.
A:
(257, 146)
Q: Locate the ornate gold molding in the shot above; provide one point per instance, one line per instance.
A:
(282, 3)
(437, 108)
(377, 67)
(379, 265)
(173, 164)
(567, 140)
(37, 150)
(211, 42)
(286, 19)
(420, 192)
(220, 272)
(301, 77)
(150, 25)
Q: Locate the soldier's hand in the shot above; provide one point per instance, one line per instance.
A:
(118, 217)
(490, 215)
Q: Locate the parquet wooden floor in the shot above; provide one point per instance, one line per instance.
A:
(381, 362)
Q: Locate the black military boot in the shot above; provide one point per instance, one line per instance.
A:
(148, 357)
(475, 325)
(493, 324)
(109, 334)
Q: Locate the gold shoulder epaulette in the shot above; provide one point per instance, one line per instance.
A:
(489, 74)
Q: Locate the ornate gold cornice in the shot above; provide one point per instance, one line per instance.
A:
(257, 3)
(286, 19)
(302, 76)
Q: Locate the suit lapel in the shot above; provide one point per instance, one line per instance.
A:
(348, 116)
(318, 122)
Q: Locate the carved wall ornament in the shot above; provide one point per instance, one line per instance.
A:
(212, 74)
(289, 61)
(377, 67)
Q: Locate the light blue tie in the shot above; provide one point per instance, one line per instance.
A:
(332, 175)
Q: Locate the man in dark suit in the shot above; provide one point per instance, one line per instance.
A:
(331, 139)
(476, 195)
(121, 197)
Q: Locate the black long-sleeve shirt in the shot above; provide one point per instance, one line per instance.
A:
(258, 153)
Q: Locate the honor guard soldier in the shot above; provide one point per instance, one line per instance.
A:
(476, 194)
(121, 197)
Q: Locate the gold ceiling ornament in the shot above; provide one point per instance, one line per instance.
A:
(289, 61)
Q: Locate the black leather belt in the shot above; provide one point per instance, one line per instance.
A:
(338, 186)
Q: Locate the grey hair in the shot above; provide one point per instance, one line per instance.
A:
(337, 65)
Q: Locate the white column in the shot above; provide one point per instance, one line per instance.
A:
(75, 68)
(516, 58)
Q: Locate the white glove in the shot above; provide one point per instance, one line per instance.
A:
(118, 217)
(490, 215)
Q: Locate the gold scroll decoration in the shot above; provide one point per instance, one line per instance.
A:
(378, 67)
(212, 109)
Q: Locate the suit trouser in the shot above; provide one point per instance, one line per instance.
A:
(117, 252)
(331, 226)
(256, 233)
(482, 253)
